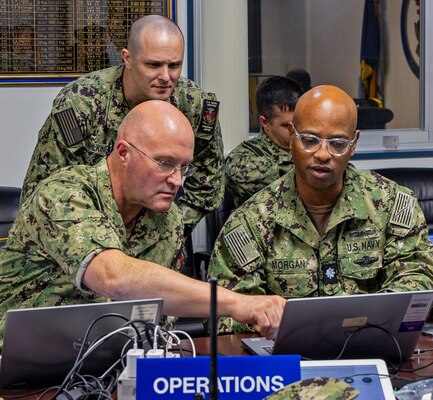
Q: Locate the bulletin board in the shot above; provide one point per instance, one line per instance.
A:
(46, 41)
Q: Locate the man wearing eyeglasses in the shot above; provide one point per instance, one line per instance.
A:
(111, 231)
(325, 228)
(82, 125)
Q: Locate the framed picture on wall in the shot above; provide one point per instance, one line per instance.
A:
(410, 33)
(53, 42)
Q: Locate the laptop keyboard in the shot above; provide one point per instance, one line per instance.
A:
(268, 349)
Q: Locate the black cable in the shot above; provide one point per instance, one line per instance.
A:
(79, 361)
(70, 383)
(149, 327)
(369, 326)
(89, 328)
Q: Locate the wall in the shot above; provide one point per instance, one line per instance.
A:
(25, 108)
(23, 112)
(324, 38)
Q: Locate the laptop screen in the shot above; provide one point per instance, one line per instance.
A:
(380, 325)
(40, 345)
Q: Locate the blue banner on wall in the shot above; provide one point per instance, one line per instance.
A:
(239, 377)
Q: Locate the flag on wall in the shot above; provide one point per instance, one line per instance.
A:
(370, 50)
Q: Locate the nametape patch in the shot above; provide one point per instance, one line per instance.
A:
(209, 116)
(239, 377)
(402, 214)
(241, 246)
(69, 126)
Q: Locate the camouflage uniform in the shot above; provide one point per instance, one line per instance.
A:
(376, 240)
(316, 389)
(253, 165)
(82, 129)
(67, 220)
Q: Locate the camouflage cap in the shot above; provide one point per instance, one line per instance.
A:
(316, 389)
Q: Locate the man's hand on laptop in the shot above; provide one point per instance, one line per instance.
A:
(263, 313)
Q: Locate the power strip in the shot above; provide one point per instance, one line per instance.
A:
(126, 385)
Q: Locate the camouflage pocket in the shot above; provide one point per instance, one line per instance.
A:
(299, 283)
(361, 266)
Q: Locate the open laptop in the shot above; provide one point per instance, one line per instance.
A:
(40, 345)
(319, 328)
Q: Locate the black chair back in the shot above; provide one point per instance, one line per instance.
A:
(420, 180)
(9, 204)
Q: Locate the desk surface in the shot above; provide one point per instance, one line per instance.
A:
(231, 345)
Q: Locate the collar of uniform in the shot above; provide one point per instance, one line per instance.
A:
(351, 203)
(295, 218)
(150, 227)
(290, 212)
(117, 105)
(106, 196)
(273, 148)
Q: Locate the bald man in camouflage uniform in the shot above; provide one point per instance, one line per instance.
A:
(257, 162)
(110, 231)
(82, 126)
(325, 228)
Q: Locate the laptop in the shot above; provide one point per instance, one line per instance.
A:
(357, 326)
(40, 345)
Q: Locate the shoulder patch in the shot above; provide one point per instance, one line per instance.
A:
(70, 127)
(404, 206)
(209, 116)
(241, 246)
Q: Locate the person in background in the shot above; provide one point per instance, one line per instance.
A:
(325, 228)
(257, 162)
(82, 126)
(111, 231)
(301, 76)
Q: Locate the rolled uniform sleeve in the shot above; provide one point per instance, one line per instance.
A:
(73, 228)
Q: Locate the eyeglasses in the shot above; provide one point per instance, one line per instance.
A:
(312, 143)
(167, 167)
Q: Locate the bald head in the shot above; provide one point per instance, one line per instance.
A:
(151, 25)
(156, 120)
(325, 105)
(153, 135)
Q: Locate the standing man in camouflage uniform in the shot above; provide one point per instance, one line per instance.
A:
(257, 162)
(325, 228)
(88, 233)
(82, 126)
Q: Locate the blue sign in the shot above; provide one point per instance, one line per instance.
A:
(239, 377)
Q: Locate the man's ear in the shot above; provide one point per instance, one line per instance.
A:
(126, 57)
(291, 131)
(122, 150)
(263, 122)
(352, 151)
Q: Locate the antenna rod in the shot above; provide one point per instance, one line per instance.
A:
(213, 340)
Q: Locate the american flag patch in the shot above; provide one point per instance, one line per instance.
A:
(69, 126)
(241, 246)
(404, 206)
